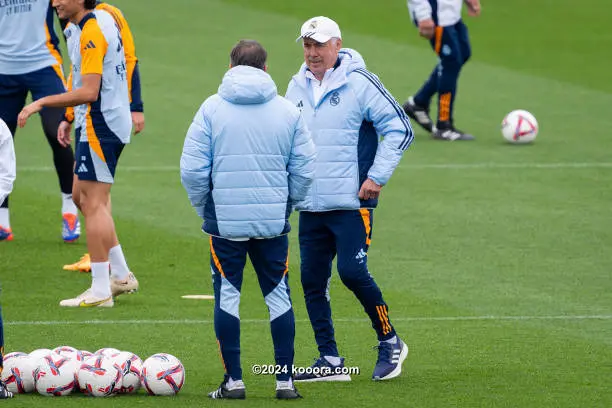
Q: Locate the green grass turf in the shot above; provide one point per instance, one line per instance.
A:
(463, 230)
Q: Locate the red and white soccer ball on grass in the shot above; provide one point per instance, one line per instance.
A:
(519, 126)
(162, 374)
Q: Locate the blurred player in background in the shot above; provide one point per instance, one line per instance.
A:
(136, 104)
(7, 177)
(30, 62)
(440, 22)
(99, 93)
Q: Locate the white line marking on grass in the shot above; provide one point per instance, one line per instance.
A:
(345, 320)
(441, 166)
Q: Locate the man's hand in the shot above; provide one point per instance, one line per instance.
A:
(63, 133)
(473, 7)
(369, 190)
(28, 111)
(427, 28)
(138, 121)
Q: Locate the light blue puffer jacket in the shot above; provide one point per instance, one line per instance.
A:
(347, 124)
(247, 157)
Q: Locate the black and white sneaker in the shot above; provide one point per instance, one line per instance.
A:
(4, 393)
(446, 131)
(323, 370)
(225, 391)
(288, 392)
(419, 114)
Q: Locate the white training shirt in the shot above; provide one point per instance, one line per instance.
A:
(444, 12)
(7, 161)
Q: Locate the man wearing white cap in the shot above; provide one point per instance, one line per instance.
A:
(346, 108)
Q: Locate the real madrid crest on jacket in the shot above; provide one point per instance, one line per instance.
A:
(353, 110)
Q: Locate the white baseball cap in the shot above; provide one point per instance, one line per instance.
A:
(321, 29)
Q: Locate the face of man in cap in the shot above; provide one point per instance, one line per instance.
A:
(320, 57)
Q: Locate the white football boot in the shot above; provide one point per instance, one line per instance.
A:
(87, 299)
(129, 285)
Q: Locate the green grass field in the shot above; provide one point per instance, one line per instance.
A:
(495, 259)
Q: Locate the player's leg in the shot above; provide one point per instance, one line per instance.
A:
(270, 258)
(4, 393)
(417, 106)
(122, 279)
(83, 264)
(44, 82)
(12, 99)
(451, 61)
(227, 260)
(317, 251)
(95, 170)
(353, 232)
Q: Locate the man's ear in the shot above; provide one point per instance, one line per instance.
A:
(266, 68)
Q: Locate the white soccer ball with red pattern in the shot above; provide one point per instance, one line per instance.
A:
(163, 374)
(520, 126)
(99, 376)
(69, 352)
(55, 375)
(18, 373)
(107, 351)
(131, 367)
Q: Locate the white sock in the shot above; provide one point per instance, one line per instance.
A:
(100, 279)
(4, 218)
(233, 384)
(284, 385)
(333, 360)
(68, 205)
(392, 340)
(118, 265)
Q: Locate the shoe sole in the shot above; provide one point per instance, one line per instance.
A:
(124, 292)
(398, 369)
(329, 378)
(106, 304)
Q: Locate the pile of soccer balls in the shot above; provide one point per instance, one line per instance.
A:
(105, 373)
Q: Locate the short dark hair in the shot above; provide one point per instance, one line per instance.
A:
(248, 52)
(90, 4)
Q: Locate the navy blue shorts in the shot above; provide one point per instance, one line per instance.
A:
(96, 160)
(14, 90)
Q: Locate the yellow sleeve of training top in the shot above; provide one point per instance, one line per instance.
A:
(93, 48)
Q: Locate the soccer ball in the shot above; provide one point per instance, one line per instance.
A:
(40, 353)
(519, 126)
(69, 352)
(163, 374)
(98, 376)
(131, 367)
(86, 354)
(55, 375)
(18, 373)
(107, 351)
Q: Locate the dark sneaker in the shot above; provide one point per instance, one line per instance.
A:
(287, 393)
(4, 393)
(225, 392)
(419, 114)
(390, 360)
(323, 370)
(446, 131)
